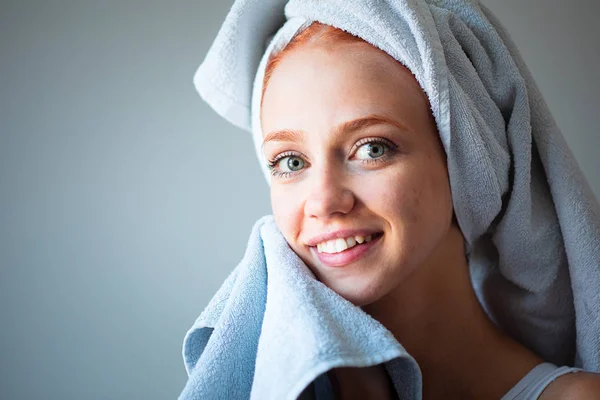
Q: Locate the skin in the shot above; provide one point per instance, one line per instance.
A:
(407, 196)
(415, 279)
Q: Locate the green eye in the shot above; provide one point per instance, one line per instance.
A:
(371, 150)
(291, 164)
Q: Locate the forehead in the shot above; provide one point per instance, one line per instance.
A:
(316, 87)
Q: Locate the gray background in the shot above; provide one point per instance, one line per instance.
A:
(125, 200)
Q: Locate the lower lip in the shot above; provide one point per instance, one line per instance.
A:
(347, 256)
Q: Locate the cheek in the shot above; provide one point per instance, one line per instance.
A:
(425, 207)
(415, 204)
(287, 211)
(394, 195)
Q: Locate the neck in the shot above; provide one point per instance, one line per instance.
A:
(436, 316)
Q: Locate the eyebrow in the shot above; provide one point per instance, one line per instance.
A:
(285, 135)
(365, 122)
(288, 135)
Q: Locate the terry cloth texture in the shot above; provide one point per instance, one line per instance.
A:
(530, 220)
(272, 329)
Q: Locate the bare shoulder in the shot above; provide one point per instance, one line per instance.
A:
(574, 386)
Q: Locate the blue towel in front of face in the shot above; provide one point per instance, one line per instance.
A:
(272, 329)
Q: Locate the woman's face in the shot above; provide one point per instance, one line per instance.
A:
(356, 162)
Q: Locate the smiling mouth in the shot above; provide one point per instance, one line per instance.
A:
(340, 245)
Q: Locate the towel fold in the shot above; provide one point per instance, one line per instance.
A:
(272, 329)
(529, 218)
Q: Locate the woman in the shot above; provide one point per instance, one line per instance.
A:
(355, 153)
(423, 181)
(372, 166)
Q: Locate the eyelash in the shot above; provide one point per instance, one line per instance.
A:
(272, 164)
(391, 150)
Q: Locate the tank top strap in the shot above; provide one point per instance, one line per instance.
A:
(533, 384)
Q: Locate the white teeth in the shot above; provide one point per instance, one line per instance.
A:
(339, 245)
(330, 247)
(351, 242)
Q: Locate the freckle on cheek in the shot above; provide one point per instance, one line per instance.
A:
(417, 199)
(413, 206)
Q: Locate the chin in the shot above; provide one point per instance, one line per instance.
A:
(359, 292)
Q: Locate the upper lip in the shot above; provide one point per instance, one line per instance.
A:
(340, 234)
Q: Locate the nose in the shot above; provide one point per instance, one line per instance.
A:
(328, 196)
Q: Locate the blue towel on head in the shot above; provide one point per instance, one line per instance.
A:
(272, 329)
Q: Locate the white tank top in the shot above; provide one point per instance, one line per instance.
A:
(528, 388)
(534, 383)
